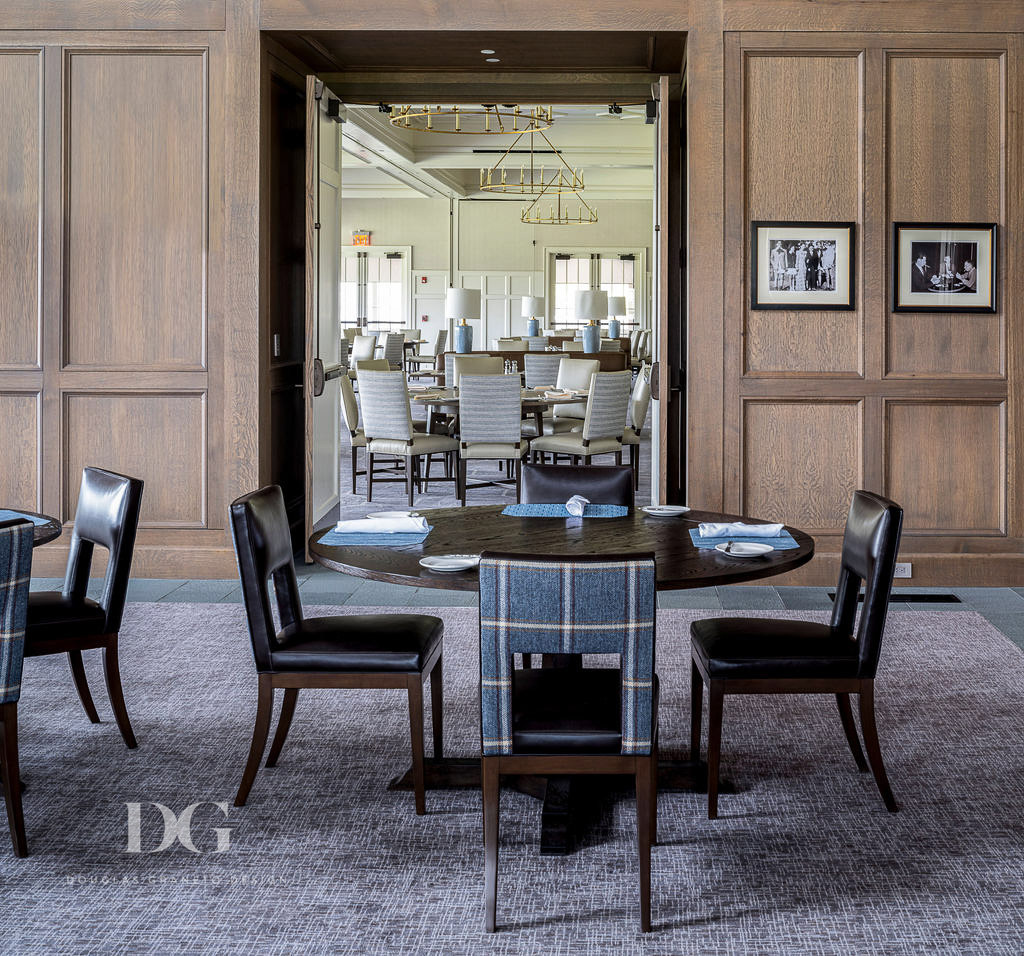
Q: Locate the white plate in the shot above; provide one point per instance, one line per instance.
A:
(393, 514)
(665, 511)
(744, 549)
(451, 562)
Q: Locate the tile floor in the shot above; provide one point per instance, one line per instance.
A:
(1002, 607)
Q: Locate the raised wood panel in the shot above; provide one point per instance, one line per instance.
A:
(814, 177)
(801, 461)
(945, 118)
(157, 436)
(19, 476)
(945, 463)
(112, 15)
(21, 147)
(136, 175)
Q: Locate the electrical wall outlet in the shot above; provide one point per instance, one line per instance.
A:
(902, 571)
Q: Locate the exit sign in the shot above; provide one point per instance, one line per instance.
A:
(361, 237)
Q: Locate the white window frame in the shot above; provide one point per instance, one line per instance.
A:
(642, 304)
(380, 252)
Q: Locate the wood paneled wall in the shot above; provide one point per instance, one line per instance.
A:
(875, 128)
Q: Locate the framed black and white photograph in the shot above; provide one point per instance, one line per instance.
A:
(944, 267)
(802, 265)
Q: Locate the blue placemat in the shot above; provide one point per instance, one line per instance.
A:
(6, 515)
(783, 542)
(558, 511)
(360, 540)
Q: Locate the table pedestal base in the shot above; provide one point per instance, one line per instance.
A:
(567, 804)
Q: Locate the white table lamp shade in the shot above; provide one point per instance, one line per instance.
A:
(592, 304)
(616, 305)
(462, 304)
(533, 306)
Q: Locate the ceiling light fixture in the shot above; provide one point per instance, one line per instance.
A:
(485, 120)
(559, 212)
(533, 179)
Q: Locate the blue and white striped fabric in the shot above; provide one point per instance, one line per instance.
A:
(15, 572)
(339, 539)
(566, 607)
(607, 405)
(385, 403)
(538, 510)
(490, 408)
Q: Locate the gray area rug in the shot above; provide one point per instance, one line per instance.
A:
(325, 858)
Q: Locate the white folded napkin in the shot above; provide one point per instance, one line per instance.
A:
(737, 529)
(407, 525)
(576, 504)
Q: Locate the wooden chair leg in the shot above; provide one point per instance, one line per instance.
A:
(437, 706)
(643, 832)
(284, 723)
(870, 731)
(369, 475)
(264, 707)
(696, 709)
(519, 480)
(850, 729)
(112, 675)
(491, 797)
(408, 479)
(715, 697)
(11, 777)
(654, 793)
(634, 463)
(355, 468)
(462, 481)
(618, 457)
(416, 733)
(82, 685)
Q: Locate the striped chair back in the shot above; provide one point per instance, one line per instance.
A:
(15, 572)
(541, 368)
(439, 341)
(385, 405)
(607, 405)
(394, 343)
(363, 347)
(556, 604)
(536, 343)
(511, 345)
(350, 333)
(610, 345)
(490, 408)
(572, 346)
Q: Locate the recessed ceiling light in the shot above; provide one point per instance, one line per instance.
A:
(487, 52)
(493, 59)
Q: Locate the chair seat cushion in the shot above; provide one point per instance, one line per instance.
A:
(421, 445)
(52, 617)
(745, 648)
(493, 449)
(630, 436)
(571, 443)
(358, 642)
(559, 710)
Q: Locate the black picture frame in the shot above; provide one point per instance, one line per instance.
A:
(769, 289)
(945, 285)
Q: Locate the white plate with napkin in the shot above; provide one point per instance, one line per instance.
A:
(744, 549)
(737, 529)
(404, 523)
(665, 511)
(451, 562)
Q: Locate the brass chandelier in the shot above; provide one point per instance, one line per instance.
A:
(484, 120)
(559, 213)
(534, 179)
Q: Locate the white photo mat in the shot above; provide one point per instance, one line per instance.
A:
(907, 300)
(764, 236)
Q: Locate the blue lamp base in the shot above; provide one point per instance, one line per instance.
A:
(613, 328)
(533, 327)
(463, 338)
(591, 338)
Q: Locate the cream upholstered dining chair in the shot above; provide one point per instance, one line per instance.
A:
(611, 345)
(363, 347)
(576, 374)
(474, 365)
(511, 345)
(541, 368)
(393, 350)
(572, 346)
(603, 423)
(536, 343)
(490, 410)
(389, 431)
(350, 415)
(639, 402)
(427, 358)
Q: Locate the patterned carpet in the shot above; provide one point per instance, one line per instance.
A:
(325, 859)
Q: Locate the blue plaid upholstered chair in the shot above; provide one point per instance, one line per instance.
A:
(15, 570)
(554, 721)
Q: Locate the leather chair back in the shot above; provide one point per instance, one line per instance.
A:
(870, 545)
(263, 547)
(107, 515)
(556, 484)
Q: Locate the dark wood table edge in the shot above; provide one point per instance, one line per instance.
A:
(42, 533)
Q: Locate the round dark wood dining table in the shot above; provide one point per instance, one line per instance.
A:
(42, 533)
(679, 564)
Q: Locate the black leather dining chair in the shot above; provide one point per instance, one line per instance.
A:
(739, 655)
(68, 621)
(600, 484)
(359, 651)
